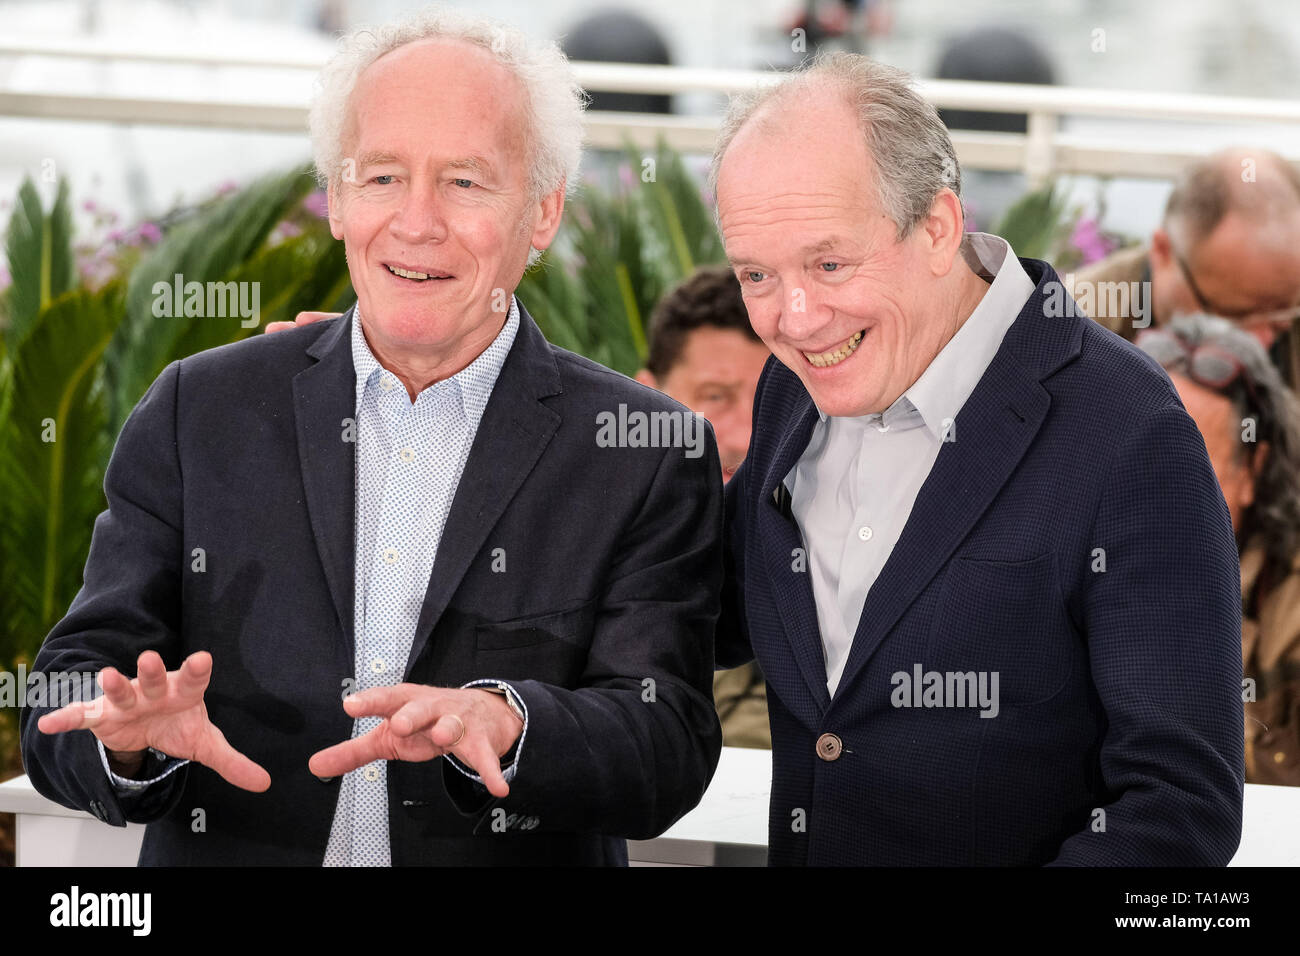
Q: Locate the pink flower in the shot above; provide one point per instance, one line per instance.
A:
(317, 204)
(1088, 239)
(149, 232)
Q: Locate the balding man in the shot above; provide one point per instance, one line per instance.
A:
(978, 550)
(1228, 245)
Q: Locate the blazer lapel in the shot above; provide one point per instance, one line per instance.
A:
(515, 429)
(324, 397)
(780, 535)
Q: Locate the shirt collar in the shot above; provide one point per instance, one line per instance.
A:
(474, 382)
(950, 378)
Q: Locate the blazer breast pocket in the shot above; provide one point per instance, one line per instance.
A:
(551, 648)
(1004, 617)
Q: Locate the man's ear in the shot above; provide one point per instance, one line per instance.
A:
(645, 377)
(943, 230)
(1161, 248)
(549, 210)
(1260, 459)
(336, 221)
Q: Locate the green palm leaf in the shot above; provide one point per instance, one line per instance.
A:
(50, 490)
(39, 249)
(205, 248)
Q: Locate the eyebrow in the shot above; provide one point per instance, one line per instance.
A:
(825, 245)
(375, 159)
(475, 164)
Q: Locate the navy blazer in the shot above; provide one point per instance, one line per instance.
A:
(1073, 538)
(588, 576)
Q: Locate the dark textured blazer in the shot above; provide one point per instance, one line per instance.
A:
(1119, 736)
(603, 617)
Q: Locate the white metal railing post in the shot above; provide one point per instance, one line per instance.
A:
(1040, 150)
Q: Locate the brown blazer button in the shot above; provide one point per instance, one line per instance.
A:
(829, 747)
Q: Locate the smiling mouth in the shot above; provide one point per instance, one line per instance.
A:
(836, 355)
(415, 276)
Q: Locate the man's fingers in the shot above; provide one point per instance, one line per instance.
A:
(195, 672)
(477, 754)
(307, 318)
(151, 675)
(348, 756)
(215, 752)
(73, 717)
(448, 731)
(416, 715)
(118, 690)
(277, 327)
(377, 701)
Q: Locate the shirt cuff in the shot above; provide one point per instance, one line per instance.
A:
(126, 785)
(507, 772)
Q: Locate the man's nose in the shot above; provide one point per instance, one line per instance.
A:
(801, 315)
(421, 217)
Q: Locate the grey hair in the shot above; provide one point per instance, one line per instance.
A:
(554, 102)
(1276, 511)
(910, 146)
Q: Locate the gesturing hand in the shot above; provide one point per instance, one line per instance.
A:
(422, 722)
(163, 710)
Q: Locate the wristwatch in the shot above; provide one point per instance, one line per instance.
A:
(506, 691)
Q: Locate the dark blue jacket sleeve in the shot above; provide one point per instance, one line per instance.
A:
(1163, 626)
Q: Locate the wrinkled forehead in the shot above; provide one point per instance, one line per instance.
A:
(791, 154)
(449, 92)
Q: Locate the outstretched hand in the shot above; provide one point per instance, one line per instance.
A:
(422, 722)
(163, 710)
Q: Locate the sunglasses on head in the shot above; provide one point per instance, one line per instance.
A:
(1208, 365)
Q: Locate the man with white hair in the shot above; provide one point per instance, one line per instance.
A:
(337, 554)
(978, 551)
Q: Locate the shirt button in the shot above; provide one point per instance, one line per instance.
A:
(829, 747)
(864, 533)
(371, 774)
(378, 665)
(407, 455)
(390, 555)
(386, 384)
(1279, 757)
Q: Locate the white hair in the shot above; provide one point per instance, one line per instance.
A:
(906, 139)
(553, 101)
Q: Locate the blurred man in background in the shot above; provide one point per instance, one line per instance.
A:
(1251, 424)
(704, 353)
(1229, 245)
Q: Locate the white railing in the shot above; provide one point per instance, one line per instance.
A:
(1069, 130)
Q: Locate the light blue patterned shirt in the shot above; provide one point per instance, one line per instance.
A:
(409, 461)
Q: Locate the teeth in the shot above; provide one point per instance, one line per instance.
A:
(407, 275)
(834, 356)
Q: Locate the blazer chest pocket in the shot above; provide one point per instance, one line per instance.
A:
(1006, 617)
(551, 648)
